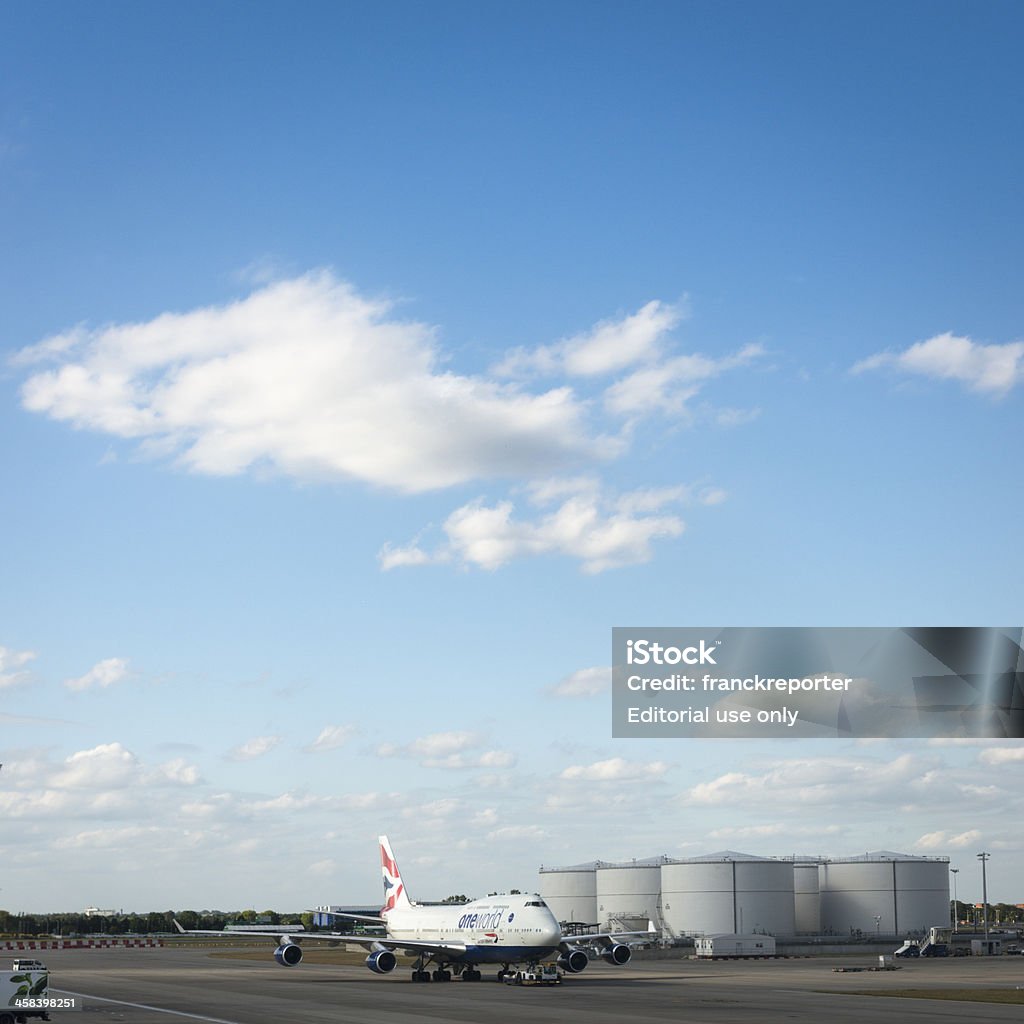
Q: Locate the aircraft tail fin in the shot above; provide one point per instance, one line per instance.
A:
(394, 889)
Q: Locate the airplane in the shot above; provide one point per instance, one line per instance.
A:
(458, 939)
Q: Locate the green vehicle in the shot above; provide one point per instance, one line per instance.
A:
(20, 985)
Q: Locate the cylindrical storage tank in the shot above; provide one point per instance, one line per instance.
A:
(883, 894)
(733, 893)
(628, 894)
(806, 898)
(922, 887)
(571, 893)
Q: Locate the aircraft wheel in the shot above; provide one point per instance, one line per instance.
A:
(501, 974)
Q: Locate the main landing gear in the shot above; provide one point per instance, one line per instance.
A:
(420, 974)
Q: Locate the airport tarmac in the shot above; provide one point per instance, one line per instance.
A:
(164, 986)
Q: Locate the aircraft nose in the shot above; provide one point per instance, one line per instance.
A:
(551, 934)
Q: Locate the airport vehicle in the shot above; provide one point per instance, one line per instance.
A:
(28, 965)
(909, 950)
(542, 974)
(459, 938)
(938, 943)
(18, 985)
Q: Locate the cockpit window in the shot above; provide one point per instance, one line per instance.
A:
(536, 903)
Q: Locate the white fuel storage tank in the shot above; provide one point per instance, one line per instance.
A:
(628, 894)
(571, 892)
(883, 893)
(727, 892)
(806, 898)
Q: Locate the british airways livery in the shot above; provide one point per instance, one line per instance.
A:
(458, 939)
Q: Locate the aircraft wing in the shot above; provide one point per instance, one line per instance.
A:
(370, 918)
(603, 938)
(413, 946)
(293, 934)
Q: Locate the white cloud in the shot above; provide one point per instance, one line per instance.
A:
(816, 781)
(509, 832)
(12, 666)
(712, 496)
(290, 803)
(944, 840)
(331, 737)
(103, 674)
(1002, 755)
(615, 769)
(728, 417)
(256, 747)
(584, 682)
(177, 772)
(108, 766)
(968, 838)
(990, 369)
(307, 378)
(771, 831)
(452, 750)
(666, 387)
(434, 811)
(609, 346)
(980, 792)
(410, 556)
(601, 532)
(442, 744)
(110, 838)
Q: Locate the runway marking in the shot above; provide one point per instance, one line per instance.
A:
(144, 1006)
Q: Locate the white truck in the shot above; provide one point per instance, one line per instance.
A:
(541, 974)
(24, 994)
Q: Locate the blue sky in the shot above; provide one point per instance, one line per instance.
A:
(363, 364)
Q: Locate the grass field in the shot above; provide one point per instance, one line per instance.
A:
(1013, 997)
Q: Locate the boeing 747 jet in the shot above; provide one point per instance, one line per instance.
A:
(457, 939)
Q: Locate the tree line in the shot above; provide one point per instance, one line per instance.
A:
(69, 925)
(998, 913)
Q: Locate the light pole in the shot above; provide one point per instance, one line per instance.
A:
(956, 906)
(983, 857)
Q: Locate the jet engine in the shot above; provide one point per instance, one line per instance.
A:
(382, 961)
(618, 954)
(288, 954)
(573, 960)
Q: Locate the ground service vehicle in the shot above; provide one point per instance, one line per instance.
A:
(542, 974)
(19, 985)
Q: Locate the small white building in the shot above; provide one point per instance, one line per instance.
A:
(711, 946)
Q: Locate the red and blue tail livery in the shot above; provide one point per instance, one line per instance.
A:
(394, 890)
